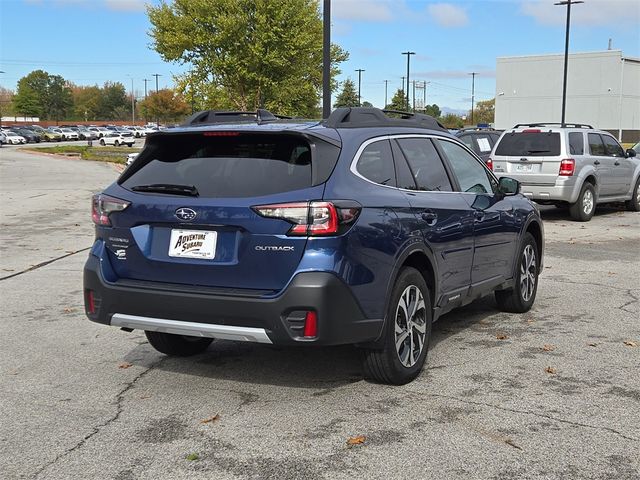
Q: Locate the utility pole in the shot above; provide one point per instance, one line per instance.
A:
(359, 70)
(414, 96)
(156, 75)
(326, 59)
(145, 87)
(568, 3)
(386, 83)
(408, 54)
(133, 105)
(473, 92)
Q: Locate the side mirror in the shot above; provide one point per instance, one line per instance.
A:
(631, 153)
(508, 186)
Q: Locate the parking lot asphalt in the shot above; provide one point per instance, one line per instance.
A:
(551, 394)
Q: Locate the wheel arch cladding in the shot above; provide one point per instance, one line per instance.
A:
(420, 261)
(534, 229)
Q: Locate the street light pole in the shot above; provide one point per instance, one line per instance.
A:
(156, 75)
(386, 83)
(473, 93)
(568, 3)
(145, 87)
(133, 105)
(359, 70)
(408, 54)
(326, 59)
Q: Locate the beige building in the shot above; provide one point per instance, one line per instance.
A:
(603, 90)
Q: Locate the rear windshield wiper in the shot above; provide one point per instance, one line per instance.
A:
(188, 190)
(538, 151)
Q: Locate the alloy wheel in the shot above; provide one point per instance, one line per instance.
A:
(528, 273)
(410, 326)
(587, 202)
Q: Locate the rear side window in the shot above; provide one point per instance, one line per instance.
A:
(484, 143)
(596, 147)
(232, 165)
(612, 147)
(376, 163)
(576, 143)
(529, 144)
(425, 164)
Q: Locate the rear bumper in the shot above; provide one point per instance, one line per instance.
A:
(563, 190)
(266, 319)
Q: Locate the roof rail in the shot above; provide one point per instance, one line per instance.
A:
(476, 129)
(361, 117)
(570, 125)
(208, 117)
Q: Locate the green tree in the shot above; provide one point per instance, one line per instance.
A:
(43, 95)
(398, 101)
(246, 53)
(113, 101)
(367, 104)
(433, 110)
(165, 105)
(348, 97)
(451, 120)
(86, 102)
(6, 102)
(58, 100)
(484, 111)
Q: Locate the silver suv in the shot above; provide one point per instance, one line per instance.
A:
(572, 165)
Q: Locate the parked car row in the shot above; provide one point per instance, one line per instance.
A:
(36, 134)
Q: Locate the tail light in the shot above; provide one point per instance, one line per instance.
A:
(567, 167)
(312, 218)
(103, 205)
(490, 164)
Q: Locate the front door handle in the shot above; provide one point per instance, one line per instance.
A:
(597, 162)
(478, 215)
(616, 163)
(430, 217)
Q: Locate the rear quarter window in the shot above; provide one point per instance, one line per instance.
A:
(529, 144)
(576, 143)
(233, 165)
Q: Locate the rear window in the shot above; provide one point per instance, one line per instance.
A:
(529, 144)
(233, 165)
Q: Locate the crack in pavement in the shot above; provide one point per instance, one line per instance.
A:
(536, 414)
(627, 291)
(98, 428)
(43, 264)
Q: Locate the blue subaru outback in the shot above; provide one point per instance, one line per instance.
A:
(361, 229)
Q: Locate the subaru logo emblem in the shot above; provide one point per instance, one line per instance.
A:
(185, 214)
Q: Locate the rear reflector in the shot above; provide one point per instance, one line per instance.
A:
(490, 164)
(91, 303)
(310, 218)
(567, 167)
(311, 325)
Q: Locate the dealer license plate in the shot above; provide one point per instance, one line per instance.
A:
(193, 244)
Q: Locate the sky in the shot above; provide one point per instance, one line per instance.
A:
(92, 41)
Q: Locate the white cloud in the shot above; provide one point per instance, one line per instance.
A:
(452, 74)
(591, 12)
(363, 10)
(117, 5)
(126, 5)
(448, 15)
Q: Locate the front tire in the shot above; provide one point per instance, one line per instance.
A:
(406, 334)
(585, 206)
(177, 345)
(102, 142)
(116, 143)
(520, 298)
(634, 203)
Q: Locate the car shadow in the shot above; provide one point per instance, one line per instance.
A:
(300, 367)
(561, 214)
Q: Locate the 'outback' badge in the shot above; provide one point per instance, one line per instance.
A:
(186, 214)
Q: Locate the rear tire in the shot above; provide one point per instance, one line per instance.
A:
(520, 298)
(116, 143)
(406, 334)
(585, 206)
(102, 142)
(634, 203)
(177, 345)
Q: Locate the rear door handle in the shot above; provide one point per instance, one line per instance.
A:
(478, 215)
(430, 217)
(596, 162)
(616, 163)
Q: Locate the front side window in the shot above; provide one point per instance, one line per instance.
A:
(612, 148)
(471, 175)
(576, 143)
(596, 147)
(425, 164)
(376, 163)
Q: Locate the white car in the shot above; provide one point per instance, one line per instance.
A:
(137, 131)
(14, 138)
(116, 139)
(65, 133)
(100, 131)
(131, 157)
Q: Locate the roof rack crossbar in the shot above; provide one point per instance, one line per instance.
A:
(209, 117)
(545, 124)
(361, 117)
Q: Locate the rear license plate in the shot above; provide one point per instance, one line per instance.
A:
(525, 168)
(193, 244)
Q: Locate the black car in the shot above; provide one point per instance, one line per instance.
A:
(479, 139)
(29, 135)
(360, 229)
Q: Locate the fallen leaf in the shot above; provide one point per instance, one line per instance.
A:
(572, 242)
(192, 456)
(592, 344)
(144, 397)
(547, 267)
(629, 343)
(211, 419)
(358, 440)
(611, 273)
(511, 443)
(69, 310)
(550, 370)
(125, 365)
(548, 348)
(501, 336)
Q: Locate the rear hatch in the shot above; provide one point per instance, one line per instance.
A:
(532, 156)
(190, 219)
